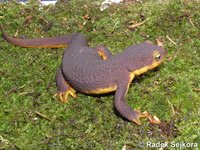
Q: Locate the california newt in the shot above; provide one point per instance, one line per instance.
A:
(96, 71)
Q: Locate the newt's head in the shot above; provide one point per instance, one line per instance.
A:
(143, 57)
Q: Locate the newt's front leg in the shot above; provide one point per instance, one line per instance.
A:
(125, 110)
(103, 52)
(64, 89)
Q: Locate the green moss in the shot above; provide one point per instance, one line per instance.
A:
(27, 76)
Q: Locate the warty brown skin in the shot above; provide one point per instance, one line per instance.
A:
(97, 71)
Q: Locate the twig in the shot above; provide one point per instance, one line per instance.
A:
(196, 90)
(25, 93)
(16, 33)
(159, 43)
(116, 24)
(190, 20)
(127, 145)
(133, 26)
(173, 111)
(172, 107)
(41, 115)
(170, 40)
(50, 6)
(124, 147)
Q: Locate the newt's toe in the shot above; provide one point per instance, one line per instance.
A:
(152, 119)
(63, 96)
(72, 92)
(137, 121)
(137, 117)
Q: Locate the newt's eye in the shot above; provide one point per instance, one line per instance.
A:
(157, 57)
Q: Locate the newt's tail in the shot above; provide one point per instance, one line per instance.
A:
(54, 42)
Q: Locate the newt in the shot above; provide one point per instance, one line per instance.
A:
(94, 70)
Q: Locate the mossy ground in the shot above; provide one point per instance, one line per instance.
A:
(27, 77)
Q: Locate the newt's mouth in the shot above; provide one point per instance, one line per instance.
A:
(146, 68)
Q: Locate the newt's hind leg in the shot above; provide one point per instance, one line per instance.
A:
(64, 89)
(103, 52)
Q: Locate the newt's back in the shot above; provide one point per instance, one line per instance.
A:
(86, 70)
